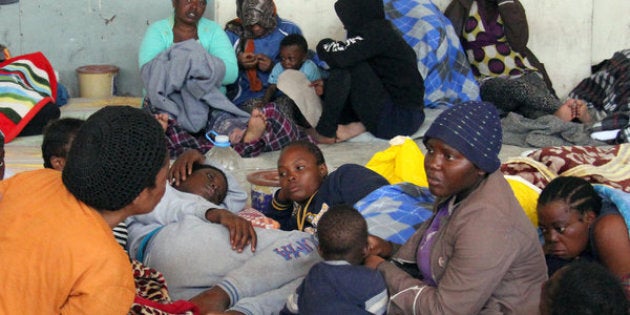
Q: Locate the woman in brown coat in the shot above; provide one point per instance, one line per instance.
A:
(478, 254)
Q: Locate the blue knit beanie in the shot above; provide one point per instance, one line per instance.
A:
(472, 128)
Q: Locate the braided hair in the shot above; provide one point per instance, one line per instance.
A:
(310, 147)
(574, 191)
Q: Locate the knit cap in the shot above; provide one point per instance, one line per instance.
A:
(115, 155)
(474, 129)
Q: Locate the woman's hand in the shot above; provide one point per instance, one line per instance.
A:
(182, 167)
(264, 63)
(242, 232)
(247, 60)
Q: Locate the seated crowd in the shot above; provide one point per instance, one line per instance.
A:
(140, 177)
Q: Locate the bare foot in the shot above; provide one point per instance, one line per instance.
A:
(236, 136)
(318, 137)
(581, 112)
(256, 126)
(259, 112)
(162, 118)
(351, 130)
(565, 112)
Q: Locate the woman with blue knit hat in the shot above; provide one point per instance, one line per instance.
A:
(478, 253)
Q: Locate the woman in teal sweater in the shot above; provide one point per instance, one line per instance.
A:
(188, 22)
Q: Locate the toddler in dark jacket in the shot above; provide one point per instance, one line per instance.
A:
(339, 284)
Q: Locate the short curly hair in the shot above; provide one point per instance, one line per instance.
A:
(342, 233)
(58, 136)
(295, 40)
(584, 288)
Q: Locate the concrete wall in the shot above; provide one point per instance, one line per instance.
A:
(567, 35)
(73, 33)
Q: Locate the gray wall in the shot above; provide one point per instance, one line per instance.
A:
(567, 35)
(74, 33)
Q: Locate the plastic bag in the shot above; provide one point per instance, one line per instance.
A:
(401, 162)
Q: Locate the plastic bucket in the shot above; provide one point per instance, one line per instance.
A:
(264, 184)
(97, 80)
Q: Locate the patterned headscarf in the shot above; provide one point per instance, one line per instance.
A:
(250, 12)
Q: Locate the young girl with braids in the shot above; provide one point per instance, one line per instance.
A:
(307, 190)
(578, 225)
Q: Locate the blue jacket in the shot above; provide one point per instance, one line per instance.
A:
(269, 45)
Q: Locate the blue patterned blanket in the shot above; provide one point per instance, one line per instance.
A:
(441, 59)
(617, 197)
(394, 212)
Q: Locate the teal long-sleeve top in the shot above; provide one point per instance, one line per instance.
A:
(159, 37)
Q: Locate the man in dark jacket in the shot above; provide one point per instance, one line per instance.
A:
(374, 83)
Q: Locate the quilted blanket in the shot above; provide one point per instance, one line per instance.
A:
(27, 83)
(598, 165)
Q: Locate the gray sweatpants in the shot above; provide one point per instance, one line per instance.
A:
(195, 255)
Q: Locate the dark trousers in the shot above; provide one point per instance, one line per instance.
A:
(357, 94)
(49, 112)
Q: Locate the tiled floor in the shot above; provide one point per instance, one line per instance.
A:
(24, 152)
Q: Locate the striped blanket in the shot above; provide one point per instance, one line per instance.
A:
(441, 59)
(27, 83)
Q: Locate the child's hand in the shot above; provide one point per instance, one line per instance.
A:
(247, 60)
(242, 232)
(318, 85)
(162, 118)
(264, 62)
(379, 247)
(372, 261)
(182, 167)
